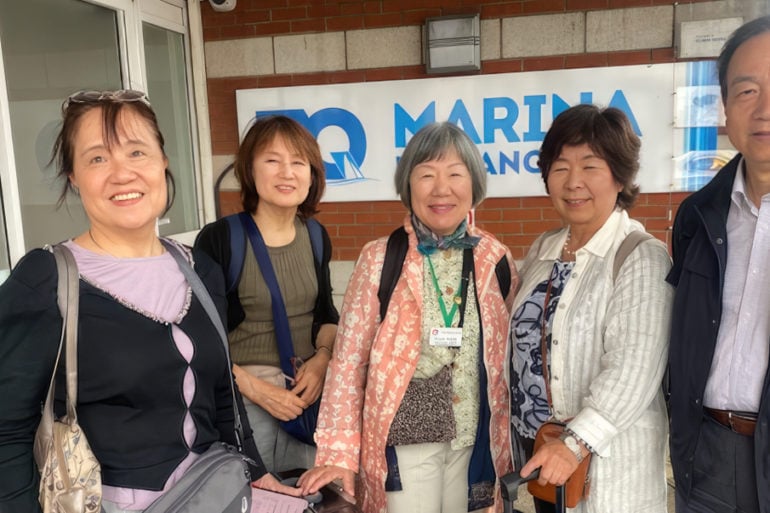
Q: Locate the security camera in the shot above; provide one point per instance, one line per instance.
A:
(222, 5)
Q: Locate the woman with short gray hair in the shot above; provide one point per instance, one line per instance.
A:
(416, 399)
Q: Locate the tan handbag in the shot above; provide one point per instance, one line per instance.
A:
(70, 475)
(577, 486)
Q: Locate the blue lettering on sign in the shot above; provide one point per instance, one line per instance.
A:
(498, 120)
(404, 122)
(512, 161)
(492, 123)
(535, 105)
(500, 116)
(345, 166)
(460, 117)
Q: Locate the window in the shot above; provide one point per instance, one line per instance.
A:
(96, 44)
(167, 88)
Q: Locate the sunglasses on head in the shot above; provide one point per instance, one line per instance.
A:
(119, 96)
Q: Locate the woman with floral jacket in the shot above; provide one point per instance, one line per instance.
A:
(416, 403)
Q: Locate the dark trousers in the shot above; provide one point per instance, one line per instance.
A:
(724, 476)
(540, 506)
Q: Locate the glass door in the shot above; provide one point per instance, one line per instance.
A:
(52, 48)
(80, 50)
(164, 55)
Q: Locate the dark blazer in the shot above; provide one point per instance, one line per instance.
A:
(129, 382)
(214, 240)
(700, 255)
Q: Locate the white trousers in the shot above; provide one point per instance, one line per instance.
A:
(434, 479)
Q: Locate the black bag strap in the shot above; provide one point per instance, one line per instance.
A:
(395, 254)
(200, 291)
(280, 319)
(503, 273)
(468, 269)
(237, 252)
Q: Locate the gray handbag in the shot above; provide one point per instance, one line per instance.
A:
(219, 480)
(215, 483)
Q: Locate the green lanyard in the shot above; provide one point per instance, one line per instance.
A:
(457, 298)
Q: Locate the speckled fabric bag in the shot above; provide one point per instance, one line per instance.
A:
(70, 475)
(71, 478)
(425, 414)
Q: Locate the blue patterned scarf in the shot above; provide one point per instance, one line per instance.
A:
(429, 242)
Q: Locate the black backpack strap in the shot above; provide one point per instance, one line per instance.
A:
(395, 254)
(503, 273)
(237, 252)
(314, 230)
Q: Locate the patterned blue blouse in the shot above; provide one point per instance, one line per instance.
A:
(529, 402)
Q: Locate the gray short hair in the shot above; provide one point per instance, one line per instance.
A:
(431, 142)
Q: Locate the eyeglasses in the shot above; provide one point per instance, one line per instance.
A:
(119, 96)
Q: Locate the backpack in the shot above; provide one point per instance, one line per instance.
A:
(395, 253)
(238, 247)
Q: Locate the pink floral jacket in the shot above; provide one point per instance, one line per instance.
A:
(373, 363)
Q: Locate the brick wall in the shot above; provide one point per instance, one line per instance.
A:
(516, 221)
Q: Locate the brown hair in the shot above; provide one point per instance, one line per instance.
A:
(261, 133)
(112, 104)
(608, 132)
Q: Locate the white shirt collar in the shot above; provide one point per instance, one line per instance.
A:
(599, 244)
(739, 196)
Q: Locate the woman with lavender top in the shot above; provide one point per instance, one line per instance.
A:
(154, 387)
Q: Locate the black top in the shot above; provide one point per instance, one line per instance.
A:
(130, 375)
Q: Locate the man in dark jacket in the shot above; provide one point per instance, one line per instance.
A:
(720, 336)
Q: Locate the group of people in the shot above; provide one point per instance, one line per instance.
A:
(445, 359)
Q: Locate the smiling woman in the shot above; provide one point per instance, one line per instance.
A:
(588, 346)
(416, 401)
(151, 370)
(441, 192)
(281, 174)
(121, 174)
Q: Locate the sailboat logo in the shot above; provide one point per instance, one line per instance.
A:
(345, 167)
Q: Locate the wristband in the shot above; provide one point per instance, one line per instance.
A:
(325, 348)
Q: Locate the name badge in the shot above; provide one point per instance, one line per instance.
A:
(446, 337)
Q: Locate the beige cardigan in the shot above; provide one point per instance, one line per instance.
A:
(607, 366)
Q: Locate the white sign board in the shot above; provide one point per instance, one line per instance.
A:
(362, 128)
(705, 38)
